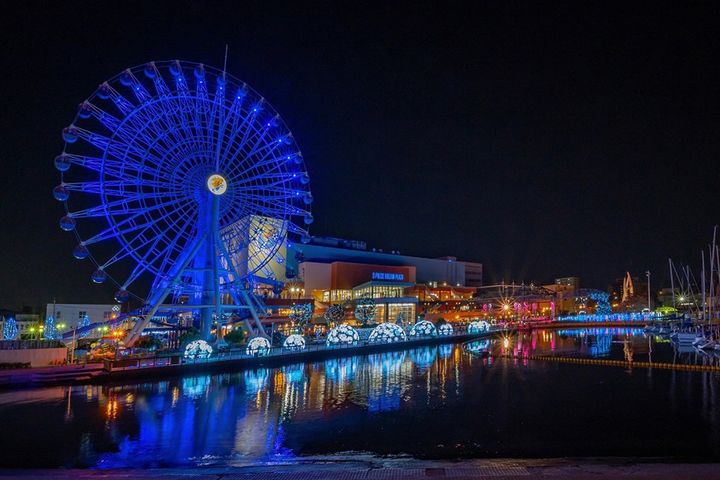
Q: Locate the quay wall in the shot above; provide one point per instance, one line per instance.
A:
(113, 375)
(36, 357)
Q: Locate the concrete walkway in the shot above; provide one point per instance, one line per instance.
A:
(375, 469)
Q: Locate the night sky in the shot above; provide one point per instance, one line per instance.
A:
(542, 141)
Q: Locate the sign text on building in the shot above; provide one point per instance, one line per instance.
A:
(388, 276)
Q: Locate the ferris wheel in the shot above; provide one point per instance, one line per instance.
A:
(195, 181)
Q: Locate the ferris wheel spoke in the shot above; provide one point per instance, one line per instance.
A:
(147, 265)
(202, 107)
(122, 170)
(264, 197)
(128, 225)
(271, 159)
(246, 130)
(105, 143)
(161, 87)
(266, 148)
(270, 209)
(129, 168)
(123, 188)
(185, 97)
(125, 206)
(138, 89)
(255, 169)
(110, 122)
(162, 254)
(239, 123)
(118, 206)
(297, 230)
(125, 106)
(273, 179)
(182, 104)
(137, 244)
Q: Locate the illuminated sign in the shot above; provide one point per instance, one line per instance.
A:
(388, 276)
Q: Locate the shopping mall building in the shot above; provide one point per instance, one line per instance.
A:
(329, 271)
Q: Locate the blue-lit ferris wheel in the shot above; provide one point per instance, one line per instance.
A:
(193, 177)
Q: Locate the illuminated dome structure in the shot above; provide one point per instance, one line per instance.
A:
(188, 181)
(342, 335)
(294, 342)
(423, 328)
(197, 349)
(445, 330)
(478, 327)
(387, 333)
(258, 347)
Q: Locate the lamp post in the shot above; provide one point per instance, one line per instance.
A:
(648, 280)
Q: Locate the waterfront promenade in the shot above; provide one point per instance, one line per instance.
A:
(362, 467)
(170, 364)
(236, 359)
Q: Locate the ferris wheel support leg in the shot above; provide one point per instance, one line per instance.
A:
(216, 252)
(245, 322)
(249, 302)
(156, 300)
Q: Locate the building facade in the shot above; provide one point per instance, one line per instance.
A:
(431, 271)
(71, 314)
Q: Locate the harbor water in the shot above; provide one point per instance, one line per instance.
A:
(481, 399)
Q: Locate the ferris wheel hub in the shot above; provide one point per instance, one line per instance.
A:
(217, 184)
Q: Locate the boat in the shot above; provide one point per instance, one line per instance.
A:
(709, 345)
(686, 337)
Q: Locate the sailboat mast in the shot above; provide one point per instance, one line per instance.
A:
(702, 282)
(672, 281)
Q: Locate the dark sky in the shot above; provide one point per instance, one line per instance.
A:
(542, 140)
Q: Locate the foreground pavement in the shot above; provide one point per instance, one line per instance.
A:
(406, 469)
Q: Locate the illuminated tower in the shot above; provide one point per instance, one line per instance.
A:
(628, 289)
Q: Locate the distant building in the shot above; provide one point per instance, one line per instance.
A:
(332, 271)
(565, 289)
(71, 314)
(573, 282)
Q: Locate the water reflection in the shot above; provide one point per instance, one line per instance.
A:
(423, 357)
(431, 401)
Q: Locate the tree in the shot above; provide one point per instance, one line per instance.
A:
(10, 329)
(301, 313)
(85, 323)
(334, 314)
(191, 334)
(365, 310)
(151, 342)
(237, 336)
(50, 331)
